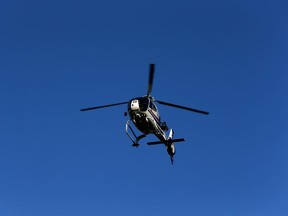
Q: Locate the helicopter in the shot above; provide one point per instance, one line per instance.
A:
(145, 116)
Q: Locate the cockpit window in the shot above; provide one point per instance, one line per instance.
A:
(143, 102)
(153, 106)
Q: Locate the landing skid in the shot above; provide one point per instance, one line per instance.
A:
(135, 139)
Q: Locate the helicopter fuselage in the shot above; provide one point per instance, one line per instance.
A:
(145, 116)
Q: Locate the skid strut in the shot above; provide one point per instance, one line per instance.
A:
(135, 139)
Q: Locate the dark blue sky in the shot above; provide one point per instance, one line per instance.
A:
(226, 57)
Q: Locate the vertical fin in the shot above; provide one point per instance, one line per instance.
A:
(172, 159)
(171, 133)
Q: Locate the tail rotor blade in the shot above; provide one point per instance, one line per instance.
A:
(172, 160)
(183, 107)
(104, 106)
(151, 78)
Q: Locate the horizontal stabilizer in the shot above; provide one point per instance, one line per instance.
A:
(170, 141)
(154, 143)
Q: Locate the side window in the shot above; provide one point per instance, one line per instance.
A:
(153, 107)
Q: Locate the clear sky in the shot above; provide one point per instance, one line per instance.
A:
(226, 57)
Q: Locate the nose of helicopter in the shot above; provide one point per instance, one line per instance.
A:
(134, 105)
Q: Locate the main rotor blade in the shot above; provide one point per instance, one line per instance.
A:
(104, 106)
(182, 107)
(151, 78)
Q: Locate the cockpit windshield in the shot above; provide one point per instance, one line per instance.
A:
(140, 103)
(143, 103)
